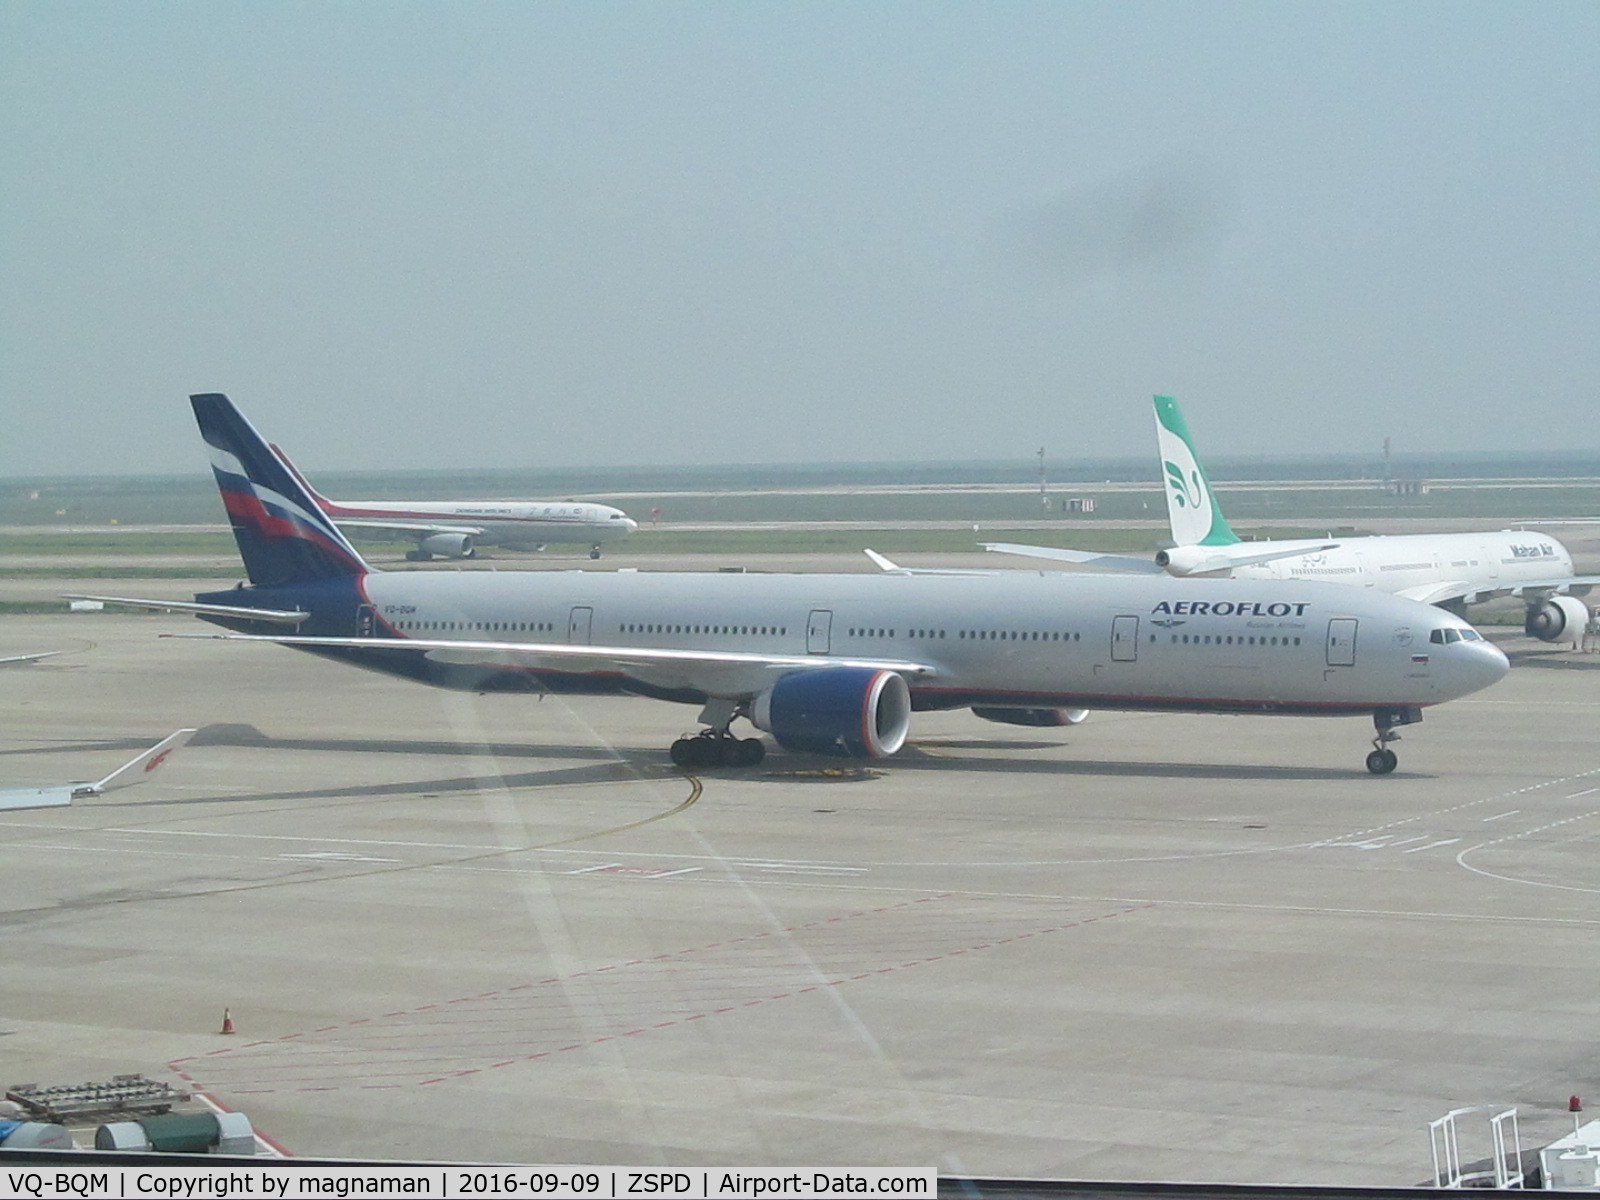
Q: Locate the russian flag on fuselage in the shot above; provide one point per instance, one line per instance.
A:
(283, 536)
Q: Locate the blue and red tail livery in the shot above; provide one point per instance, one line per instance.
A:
(283, 535)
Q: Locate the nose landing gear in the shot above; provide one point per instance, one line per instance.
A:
(1382, 760)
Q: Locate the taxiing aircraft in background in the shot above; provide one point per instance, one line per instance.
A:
(135, 770)
(1451, 570)
(456, 528)
(830, 664)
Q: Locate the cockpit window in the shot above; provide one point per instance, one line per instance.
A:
(1443, 637)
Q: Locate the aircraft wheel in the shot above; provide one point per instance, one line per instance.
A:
(594, 552)
(749, 752)
(698, 752)
(418, 556)
(1381, 762)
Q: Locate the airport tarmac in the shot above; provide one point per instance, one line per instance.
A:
(496, 929)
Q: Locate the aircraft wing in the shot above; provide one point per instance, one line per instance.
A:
(727, 673)
(1222, 558)
(1474, 593)
(1237, 556)
(271, 615)
(1086, 558)
(415, 527)
(1450, 589)
(135, 770)
(41, 797)
(18, 660)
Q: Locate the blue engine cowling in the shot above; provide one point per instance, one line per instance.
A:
(853, 712)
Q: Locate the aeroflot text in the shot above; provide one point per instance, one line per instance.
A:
(1232, 608)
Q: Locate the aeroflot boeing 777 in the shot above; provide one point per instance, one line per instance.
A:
(831, 664)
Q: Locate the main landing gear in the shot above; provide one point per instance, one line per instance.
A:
(713, 749)
(714, 746)
(1382, 760)
(594, 551)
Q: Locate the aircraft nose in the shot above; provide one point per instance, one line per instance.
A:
(1482, 663)
(630, 524)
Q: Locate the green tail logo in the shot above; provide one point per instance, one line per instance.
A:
(1192, 508)
(1185, 492)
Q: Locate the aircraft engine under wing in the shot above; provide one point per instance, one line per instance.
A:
(854, 712)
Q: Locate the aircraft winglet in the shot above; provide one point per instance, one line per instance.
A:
(137, 770)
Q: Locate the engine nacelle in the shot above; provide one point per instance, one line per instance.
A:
(1038, 718)
(853, 712)
(1185, 561)
(451, 545)
(1558, 619)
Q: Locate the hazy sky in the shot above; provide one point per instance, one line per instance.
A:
(495, 234)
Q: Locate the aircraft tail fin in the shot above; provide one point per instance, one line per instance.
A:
(138, 770)
(1192, 508)
(283, 535)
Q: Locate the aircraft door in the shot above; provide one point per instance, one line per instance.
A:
(819, 631)
(366, 621)
(1342, 642)
(1124, 639)
(579, 623)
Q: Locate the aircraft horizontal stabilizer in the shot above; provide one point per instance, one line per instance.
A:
(889, 567)
(20, 660)
(272, 616)
(1087, 558)
(1231, 555)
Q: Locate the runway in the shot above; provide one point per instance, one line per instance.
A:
(495, 929)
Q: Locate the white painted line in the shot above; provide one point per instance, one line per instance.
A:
(784, 869)
(1497, 816)
(333, 856)
(1431, 845)
(681, 871)
(601, 867)
(1585, 792)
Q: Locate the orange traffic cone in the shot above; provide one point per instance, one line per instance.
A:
(227, 1021)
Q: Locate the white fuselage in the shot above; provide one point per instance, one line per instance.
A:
(503, 522)
(1018, 638)
(1401, 562)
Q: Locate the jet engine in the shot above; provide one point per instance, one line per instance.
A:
(1186, 561)
(1558, 619)
(1036, 717)
(450, 545)
(853, 712)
